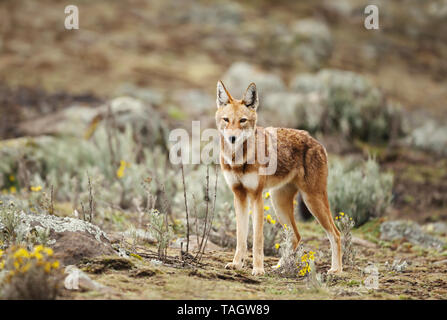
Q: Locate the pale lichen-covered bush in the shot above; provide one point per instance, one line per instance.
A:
(352, 106)
(430, 137)
(361, 191)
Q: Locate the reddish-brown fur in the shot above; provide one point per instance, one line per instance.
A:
(301, 167)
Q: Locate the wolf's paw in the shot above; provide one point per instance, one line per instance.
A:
(258, 271)
(334, 271)
(234, 266)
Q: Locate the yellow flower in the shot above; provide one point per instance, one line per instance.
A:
(21, 253)
(342, 213)
(336, 218)
(277, 245)
(12, 178)
(268, 217)
(38, 255)
(55, 264)
(272, 221)
(13, 189)
(25, 268)
(311, 255)
(1, 253)
(36, 189)
(2, 265)
(38, 248)
(120, 171)
(267, 195)
(48, 251)
(304, 257)
(285, 226)
(266, 208)
(16, 264)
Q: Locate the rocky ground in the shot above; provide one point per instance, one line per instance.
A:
(405, 271)
(154, 65)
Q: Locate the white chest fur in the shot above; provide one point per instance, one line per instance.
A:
(248, 180)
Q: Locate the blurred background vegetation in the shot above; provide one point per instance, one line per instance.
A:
(97, 103)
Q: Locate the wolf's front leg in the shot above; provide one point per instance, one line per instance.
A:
(258, 235)
(241, 208)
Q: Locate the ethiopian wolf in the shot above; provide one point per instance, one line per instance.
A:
(246, 156)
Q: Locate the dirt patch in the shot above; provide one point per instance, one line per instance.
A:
(105, 263)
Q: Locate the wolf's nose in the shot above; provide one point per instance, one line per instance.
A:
(232, 139)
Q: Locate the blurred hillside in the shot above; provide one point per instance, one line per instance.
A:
(190, 44)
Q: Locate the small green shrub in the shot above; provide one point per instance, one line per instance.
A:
(345, 224)
(9, 223)
(363, 190)
(29, 275)
(159, 228)
(352, 106)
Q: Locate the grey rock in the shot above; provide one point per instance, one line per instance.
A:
(411, 231)
(71, 239)
(76, 279)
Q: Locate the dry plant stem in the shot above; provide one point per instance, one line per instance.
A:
(206, 209)
(90, 199)
(212, 216)
(109, 127)
(52, 201)
(196, 220)
(186, 208)
(207, 231)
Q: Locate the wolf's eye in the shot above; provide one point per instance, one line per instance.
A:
(243, 120)
(225, 119)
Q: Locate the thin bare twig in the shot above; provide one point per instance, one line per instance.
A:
(186, 208)
(206, 209)
(214, 208)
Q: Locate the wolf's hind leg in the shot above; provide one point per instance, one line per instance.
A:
(318, 204)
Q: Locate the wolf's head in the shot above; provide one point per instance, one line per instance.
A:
(236, 119)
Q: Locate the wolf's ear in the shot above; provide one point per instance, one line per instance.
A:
(251, 99)
(223, 96)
